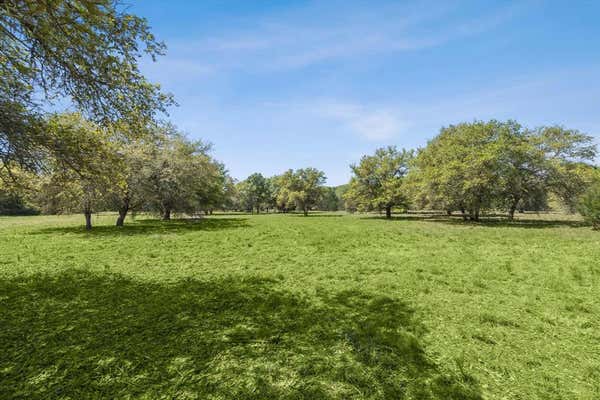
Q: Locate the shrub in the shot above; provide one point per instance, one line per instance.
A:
(589, 205)
(13, 204)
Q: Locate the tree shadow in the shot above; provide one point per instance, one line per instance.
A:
(84, 335)
(315, 215)
(492, 220)
(150, 226)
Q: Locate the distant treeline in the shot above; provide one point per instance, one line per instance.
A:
(468, 168)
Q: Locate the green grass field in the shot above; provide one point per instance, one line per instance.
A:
(281, 306)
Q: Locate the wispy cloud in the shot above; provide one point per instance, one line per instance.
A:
(307, 40)
(374, 124)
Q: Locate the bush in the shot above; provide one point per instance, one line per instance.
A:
(13, 204)
(589, 205)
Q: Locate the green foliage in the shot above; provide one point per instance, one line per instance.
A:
(94, 169)
(79, 178)
(377, 181)
(86, 50)
(486, 165)
(589, 204)
(301, 189)
(82, 50)
(178, 175)
(278, 306)
(255, 192)
(340, 192)
(329, 200)
(12, 203)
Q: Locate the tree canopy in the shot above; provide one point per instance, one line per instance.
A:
(86, 51)
(493, 164)
(255, 192)
(377, 181)
(300, 189)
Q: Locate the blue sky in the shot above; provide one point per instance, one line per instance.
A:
(289, 84)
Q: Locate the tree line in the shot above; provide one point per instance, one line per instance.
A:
(480, 166)
(468, 168)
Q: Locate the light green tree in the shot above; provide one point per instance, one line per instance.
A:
(377, 181)
(176, 174)
(568, 155)
(81, 178)
(459, 169)
(301, 189)
(218, 190)
(499, 165)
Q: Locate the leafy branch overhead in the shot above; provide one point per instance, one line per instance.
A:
(84, 51)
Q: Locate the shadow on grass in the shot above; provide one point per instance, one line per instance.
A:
(83, 335)
(149, 226)
(315, 215)
(489, 221)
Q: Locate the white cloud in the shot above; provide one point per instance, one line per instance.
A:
(308, 39)
(375, 124)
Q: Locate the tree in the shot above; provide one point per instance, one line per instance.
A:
(13, 203)
(255, 192)
(280, 185)
(128, 193)
(218, 190)
(329, 200)
(377, 181)
(80, 179)
(589, 204)
(301, 189)
(473, 166)
(568, 155)
(521, 168)
(230, 194)
(459, 168)
(177, 173)
(84, 50)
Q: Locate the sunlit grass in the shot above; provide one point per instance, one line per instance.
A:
(282, 306)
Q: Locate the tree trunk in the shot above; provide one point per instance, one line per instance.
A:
(305, 209)
(123, 212)
(166, 214)
(121, 217)
(512, 209)
(464, 214)
(258, 209)
(88, 220)
(388, 212)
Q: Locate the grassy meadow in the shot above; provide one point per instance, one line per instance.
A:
(328, 306)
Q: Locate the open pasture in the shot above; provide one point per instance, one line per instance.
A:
(331, 306)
